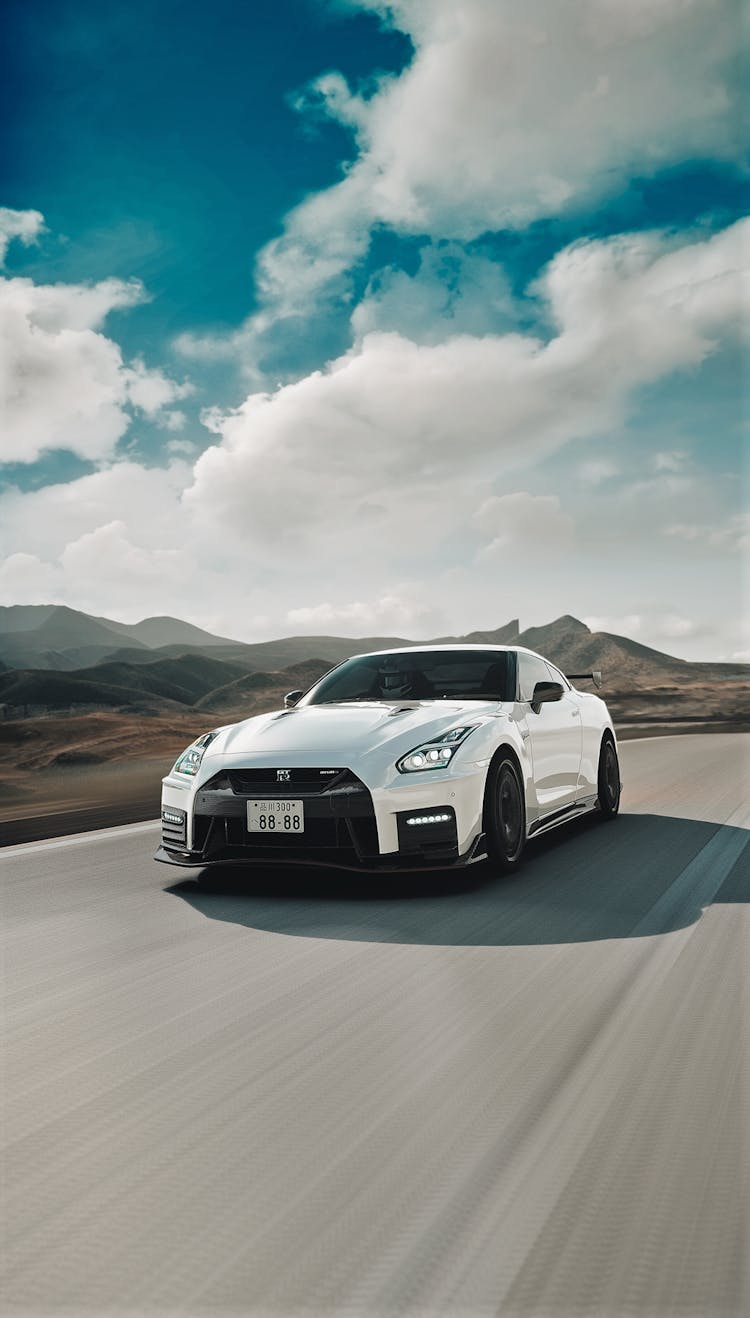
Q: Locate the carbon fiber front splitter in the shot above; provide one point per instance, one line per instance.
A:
(391, 864)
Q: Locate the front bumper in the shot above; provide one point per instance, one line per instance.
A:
(425, 825)
(394, 863)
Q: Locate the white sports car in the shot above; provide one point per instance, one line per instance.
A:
(432, 756)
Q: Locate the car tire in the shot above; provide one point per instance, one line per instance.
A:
(608, 780)
(505, 815)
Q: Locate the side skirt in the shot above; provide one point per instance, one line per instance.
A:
(567, 813)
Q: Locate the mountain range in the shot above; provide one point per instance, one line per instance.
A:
(54, 658)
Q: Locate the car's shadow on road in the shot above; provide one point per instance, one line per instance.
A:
(638, 875)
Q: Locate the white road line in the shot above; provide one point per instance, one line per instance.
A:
(670, 736)
(99, 834)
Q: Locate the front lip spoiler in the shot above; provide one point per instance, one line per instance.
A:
(193, 860)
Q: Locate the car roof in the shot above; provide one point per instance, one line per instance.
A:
(447, 649)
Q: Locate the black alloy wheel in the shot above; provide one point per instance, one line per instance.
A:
(505, 815)
(608, 780)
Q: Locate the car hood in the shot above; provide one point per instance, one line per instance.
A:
(356, 726)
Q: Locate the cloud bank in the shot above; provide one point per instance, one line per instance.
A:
(407, 478)
(397, 454)
(506, 114)
(392, 418)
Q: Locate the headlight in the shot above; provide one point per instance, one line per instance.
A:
(190, 760)
(435, 754)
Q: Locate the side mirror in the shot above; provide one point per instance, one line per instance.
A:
(291, 698)
(544, 692)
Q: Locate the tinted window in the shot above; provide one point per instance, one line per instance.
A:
(530, 671)
(417, 675)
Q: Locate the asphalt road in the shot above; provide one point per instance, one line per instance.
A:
(300, 1094)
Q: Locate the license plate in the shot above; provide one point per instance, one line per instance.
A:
(276, 816)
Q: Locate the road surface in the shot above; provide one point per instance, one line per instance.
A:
(315, 1095)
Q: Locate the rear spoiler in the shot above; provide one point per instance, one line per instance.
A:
(595, 677)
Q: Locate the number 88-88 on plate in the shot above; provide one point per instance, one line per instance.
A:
(275, 817)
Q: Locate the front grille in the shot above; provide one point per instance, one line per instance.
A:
(256, 782)
(339, 815)
(227, 837)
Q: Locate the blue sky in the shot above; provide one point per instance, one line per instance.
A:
(425, 315)
(159, 140)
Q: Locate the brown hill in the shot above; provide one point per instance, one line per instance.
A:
(192, 681)
(55, 636)
(59, 640)
(61, 628)
(571, 644)
(24, 617)
(185, 679)
(39, 691)
(268, 689)
(163, 683)
(507, 635)
(157, 632)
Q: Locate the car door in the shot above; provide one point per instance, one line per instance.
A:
(554, 734)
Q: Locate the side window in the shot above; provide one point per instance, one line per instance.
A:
(557, 676)
(530, 671)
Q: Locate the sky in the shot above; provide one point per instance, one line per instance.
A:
(367, 318)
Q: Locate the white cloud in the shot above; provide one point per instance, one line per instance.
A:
(507, 113)
(26, 226)
(534, 523)
(108, 554)
(124, 543)
(172, 420)
(333, 488)
(42, 522)
(394, 613)
(674, 461)
(104, 570)
(627, 624)
(63, 383)
(598, 470)
(150, 392)
(116, 542)
(452, 292)
(675, 627)
(654, 627)
(25, 577)
(392, 420)
(661, 487)
(734, 535)
(322, 240)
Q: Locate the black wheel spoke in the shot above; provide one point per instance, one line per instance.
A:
(505, 815)
(510, 811)
(609, 780)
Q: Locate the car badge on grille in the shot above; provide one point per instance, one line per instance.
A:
(283, 775)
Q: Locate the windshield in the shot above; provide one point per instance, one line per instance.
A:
(417, 675)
